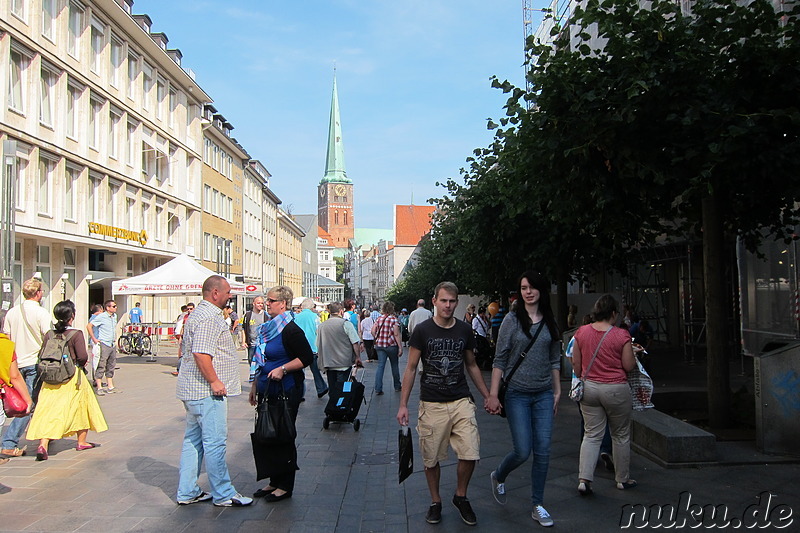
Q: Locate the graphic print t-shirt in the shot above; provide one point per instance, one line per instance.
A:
(443, 378)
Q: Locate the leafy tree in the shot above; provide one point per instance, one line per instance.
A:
(701, 109)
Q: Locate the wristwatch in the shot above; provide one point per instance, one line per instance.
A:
(283, 367)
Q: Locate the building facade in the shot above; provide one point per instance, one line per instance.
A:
(104, 153)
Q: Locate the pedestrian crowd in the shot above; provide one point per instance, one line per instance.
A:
(283, 337)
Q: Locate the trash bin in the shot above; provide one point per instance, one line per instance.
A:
(777, 397)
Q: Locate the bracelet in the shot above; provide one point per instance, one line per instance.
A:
(283, 367)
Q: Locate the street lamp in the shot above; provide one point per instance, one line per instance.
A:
(64, 278)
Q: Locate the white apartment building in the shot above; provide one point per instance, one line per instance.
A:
(105, 153)
(256, 179)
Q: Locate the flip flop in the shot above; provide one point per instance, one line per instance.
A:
(87, 446)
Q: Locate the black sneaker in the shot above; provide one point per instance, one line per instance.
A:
(434, 515)
(465, 510)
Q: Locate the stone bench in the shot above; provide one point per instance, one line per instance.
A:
(670, 442)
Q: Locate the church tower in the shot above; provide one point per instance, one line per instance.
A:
(335, 201)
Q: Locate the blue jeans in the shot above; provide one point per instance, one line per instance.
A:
(319, 381)
(387, 352)
(251, 350)
(530, 419)
(17, 426)
(206, 435)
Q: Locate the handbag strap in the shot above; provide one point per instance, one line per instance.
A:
(525, 351)
(596, 351)
(38, 336)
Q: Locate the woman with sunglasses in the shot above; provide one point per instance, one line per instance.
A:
(282, 351)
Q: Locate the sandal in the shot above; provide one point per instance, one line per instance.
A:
(585, 488)
(626, 485)
(87, 446)
(14, 452)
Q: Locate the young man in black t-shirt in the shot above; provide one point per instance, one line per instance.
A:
(446, 409)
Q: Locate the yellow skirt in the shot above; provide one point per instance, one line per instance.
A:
(63, 410)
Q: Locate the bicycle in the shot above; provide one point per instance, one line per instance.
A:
(135, 342)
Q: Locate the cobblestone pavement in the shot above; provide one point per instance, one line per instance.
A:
(347, 479)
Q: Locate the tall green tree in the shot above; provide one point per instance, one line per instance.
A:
(695, 111)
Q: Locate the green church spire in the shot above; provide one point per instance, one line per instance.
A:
(334, 162)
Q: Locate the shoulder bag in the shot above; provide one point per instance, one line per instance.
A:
(274, 423)
(501, 394)
(576, 391)
(14, 404)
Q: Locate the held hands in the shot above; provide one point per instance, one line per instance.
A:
(492, 405)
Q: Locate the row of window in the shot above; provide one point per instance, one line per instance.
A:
(217, 158)
(217, 203)
(102, 120)
(121, 58)
(54, 187)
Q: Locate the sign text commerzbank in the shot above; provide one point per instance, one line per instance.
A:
(118, 233)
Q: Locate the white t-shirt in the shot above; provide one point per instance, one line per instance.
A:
(27, 343)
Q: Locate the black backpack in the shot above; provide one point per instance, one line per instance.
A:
(55, 362)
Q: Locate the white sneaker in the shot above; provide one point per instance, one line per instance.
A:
(202, 497)
(498, 490)
(236, 501)
(541, 515)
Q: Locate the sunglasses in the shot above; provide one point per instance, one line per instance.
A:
(270, 300)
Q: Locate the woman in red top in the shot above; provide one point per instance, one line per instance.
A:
(606, 395)
(388, 344)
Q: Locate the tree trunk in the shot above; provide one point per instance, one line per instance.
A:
(561, 308)
(717, 369)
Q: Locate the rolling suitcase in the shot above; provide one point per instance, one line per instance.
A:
(344, 401)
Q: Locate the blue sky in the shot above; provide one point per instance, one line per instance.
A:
(413, 79)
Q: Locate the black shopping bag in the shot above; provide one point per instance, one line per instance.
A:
(406, 453)
(273, 459)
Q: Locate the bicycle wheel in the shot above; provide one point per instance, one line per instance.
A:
(120, 341)
(145, 344)
(125, 344)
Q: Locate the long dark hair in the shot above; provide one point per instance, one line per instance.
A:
(541, 284)
(63, 313)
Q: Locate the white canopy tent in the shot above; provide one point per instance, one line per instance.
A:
(182, 275)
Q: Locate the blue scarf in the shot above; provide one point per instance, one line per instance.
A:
(268, 331)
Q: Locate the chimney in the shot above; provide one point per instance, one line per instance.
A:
(126, 5)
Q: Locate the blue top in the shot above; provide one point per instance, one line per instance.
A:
(308, 322)
(106, 325)
(135, 315)
(352, 316)
(275, 355)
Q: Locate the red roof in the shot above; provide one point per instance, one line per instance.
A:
(411, 222)
(322, 234)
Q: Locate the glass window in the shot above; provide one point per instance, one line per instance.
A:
(113, 133)
(73, 104)
(94, 123)
(70, 181)
(173, 107)
(161, 93)
(133, 71)
(46, 97)
(116, 60)
(46, 168)
(18, 8)
(131, 143)
(48, 14)
(18, 65)
(98, 40)
(147, 85)
(76, 14)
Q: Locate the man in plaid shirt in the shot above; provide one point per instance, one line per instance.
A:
(208, 375)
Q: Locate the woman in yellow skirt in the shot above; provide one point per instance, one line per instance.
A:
(69, 408)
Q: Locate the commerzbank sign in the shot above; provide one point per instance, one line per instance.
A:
(118, 233)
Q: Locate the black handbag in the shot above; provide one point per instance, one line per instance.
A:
(274, 421)
(406, 448)
(501, 394)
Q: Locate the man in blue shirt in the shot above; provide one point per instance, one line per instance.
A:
(135, 314)
(106, 324)
(309, 322)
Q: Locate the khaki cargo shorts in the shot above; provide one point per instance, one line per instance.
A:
(448, 423)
